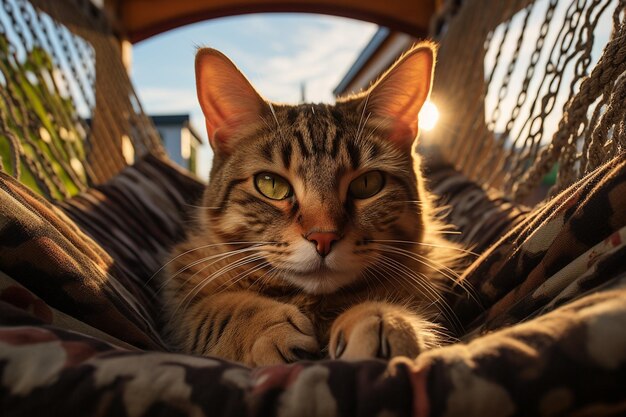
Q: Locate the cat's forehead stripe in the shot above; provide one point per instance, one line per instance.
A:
(354, 154)
(267, 151)
(304, 151)
(292, 115)
(336, 140)
(285, 154)
(318, 127)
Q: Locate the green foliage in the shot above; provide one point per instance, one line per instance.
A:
(44, 121)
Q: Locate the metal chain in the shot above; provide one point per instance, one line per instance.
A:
(523, 95)
(502, 93)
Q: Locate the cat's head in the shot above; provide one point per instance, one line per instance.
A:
(318, 190)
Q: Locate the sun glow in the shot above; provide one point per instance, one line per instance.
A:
(428, 116)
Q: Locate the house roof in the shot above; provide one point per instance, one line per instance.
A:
(170, 119)
(381, 51)
(181, 120)
(366, 54)
(140, 19)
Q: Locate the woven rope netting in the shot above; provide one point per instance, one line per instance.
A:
(69, 115)
(528, 89)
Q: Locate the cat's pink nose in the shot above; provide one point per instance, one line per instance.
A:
(323, 241)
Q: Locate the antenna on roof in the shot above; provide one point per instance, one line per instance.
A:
(303, 92)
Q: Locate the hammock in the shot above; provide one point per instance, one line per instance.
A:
(89, 205)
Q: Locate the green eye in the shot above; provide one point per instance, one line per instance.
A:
(367, 185)
(272, 186)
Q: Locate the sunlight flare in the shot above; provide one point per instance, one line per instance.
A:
(428, 116)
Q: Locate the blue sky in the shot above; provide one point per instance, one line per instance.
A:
(275, 51)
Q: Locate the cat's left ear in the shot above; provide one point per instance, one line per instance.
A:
(400, 93)
(229, 102)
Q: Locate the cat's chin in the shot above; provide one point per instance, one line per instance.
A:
(321, 281)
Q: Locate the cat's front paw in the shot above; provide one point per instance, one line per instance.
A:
(380, 330)
(288, 337)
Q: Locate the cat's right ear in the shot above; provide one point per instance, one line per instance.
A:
(397, 97)
(228, 100)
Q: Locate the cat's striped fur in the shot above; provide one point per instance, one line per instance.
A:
(248, 283)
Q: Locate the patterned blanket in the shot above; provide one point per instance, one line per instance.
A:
(541, 312)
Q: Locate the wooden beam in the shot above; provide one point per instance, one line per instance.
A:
(141, 19)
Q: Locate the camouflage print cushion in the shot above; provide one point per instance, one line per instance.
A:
(570, 247)
(542, 316)
(134, 218)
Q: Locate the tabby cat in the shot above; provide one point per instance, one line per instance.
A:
(315, 236)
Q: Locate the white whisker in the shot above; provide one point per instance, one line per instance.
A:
(207, 280)
(203, 247)
(409, 242)
(203, 207)
(426, 287)
(241, 276)
(218, 257)
(425, 261)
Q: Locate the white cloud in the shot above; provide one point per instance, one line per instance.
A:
(319, 57)
(168, 100)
